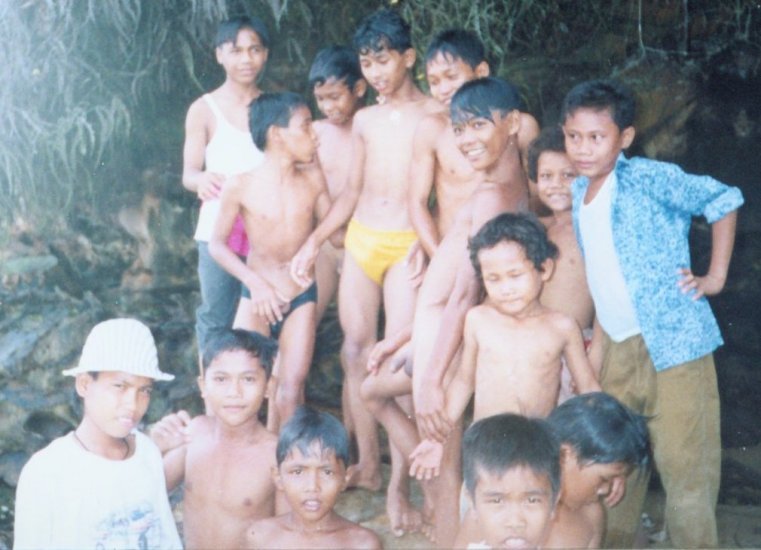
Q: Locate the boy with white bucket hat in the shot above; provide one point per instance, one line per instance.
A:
(101, 485)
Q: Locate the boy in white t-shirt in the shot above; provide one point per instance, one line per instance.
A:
(102, 485)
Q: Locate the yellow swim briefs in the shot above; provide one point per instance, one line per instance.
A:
(376, 250)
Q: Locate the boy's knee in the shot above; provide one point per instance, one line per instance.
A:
(369, 395)
(354, 353)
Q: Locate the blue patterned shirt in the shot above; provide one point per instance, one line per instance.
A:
(651, 212)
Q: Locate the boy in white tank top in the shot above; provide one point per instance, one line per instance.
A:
(218, 145)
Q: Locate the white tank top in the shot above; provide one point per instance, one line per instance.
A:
(230, 151)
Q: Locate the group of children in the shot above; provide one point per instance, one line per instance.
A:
(418, 207)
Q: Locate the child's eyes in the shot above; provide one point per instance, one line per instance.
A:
(146, 391)
(569, 175)
(328, 472)
(534, 500)
(495, 500)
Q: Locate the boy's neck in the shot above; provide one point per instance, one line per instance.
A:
(562, 217)
(93, 440)
(510, 160)
(405, 93)
(324, 524)
(242, 93)
(240, 433)
(278, 162)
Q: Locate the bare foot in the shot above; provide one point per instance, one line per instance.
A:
(358, 478)
(402, 516)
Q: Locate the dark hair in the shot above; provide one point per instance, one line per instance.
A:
(600, 95)
(602, 430)
(253, 343)
(337, 62)
(551, 139)
(384, 29)
(522, 228)
(228, 30)
(479, 98)
(271, 109)
(308, 426)
(457, 44)
(502, 442)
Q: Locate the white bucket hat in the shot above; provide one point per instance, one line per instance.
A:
(124, 345)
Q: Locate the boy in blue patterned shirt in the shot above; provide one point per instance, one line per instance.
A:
(632, 218)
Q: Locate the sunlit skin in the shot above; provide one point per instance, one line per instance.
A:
(337, 101)
(114, 404)
(481, 139)
(446, 74)
(593, 142)
(555, 173)
(587, 482)
(513, 509)
(386, 70)
(244, 59)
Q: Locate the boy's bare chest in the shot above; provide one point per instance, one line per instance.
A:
(526, 344)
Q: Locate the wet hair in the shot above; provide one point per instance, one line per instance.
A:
(601, 430)
(307, 426)
(336, 62)
(271, 109)
(384, 29)
(228, 30)
(551, 139)
(252, 343)
(457, 44)
(600, 95)
(522, 228)
(502, 442)
(481, 97)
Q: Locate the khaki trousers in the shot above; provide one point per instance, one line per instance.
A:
(682, 405)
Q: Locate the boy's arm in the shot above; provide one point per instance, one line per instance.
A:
(337, 216)
(171, 431)
(528, 132)
(461, 388)
(595, 351)
(323, 202)
(576, 357)
(265, 300)
(722, 244)
(174, 467)
(422, 173)
(207, 185)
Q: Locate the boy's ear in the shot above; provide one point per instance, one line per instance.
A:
(409, 56)
(548, 268)
(482, 70)
(82, 384)
(511, 121)
(360, 88)
(201, 385)
(627, 136)
(218, 54)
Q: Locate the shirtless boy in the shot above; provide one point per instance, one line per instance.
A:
(490, 105)
(312, 453)
(339, 91)
(379, 234)
(601, 442)
(224, 458)
(218, 145)
(279, 201)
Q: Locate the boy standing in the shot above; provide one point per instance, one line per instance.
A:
(312, 453)
(279, 202)
(225, 457)
(102, 485)
(632, 217)
(218, 145)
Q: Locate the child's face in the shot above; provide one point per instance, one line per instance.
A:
(299, 137)
(593, 142)
(386, 69)
(585, 483)
(445, 75)
(115, 402)
(312, 481)
(513, 509)
(233, 387)
(244, 59)
(483, 141)
(337, 101)
(512, 281)
(554, 175)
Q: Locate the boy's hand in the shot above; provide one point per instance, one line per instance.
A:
(171, 431)
(699, 286)
(431, 415)
(381, 351)
(416, 263)
(209, 185)
(425, 460)
(266, 301)
(303, 261)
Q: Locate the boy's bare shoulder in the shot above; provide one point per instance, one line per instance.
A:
(560, 321)
(263, 533)
(431, 126)
(356, 536)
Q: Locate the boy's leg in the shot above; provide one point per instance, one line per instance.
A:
(378, 394)
(446, 490)
(326, 274)
(296, 349)
(359, 300)
(687, 447)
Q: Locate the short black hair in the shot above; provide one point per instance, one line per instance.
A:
(550, 139)
(228, 30)
(253, 343)
(600, 95)
(383, 29)
(336, 62)
(481, 97)
(457, 44)
(602, 430)
(271, 109)
(307, 426)
(502, 442)
(522, 228)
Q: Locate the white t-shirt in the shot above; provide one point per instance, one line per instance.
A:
(70, 498)
(613, 305)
